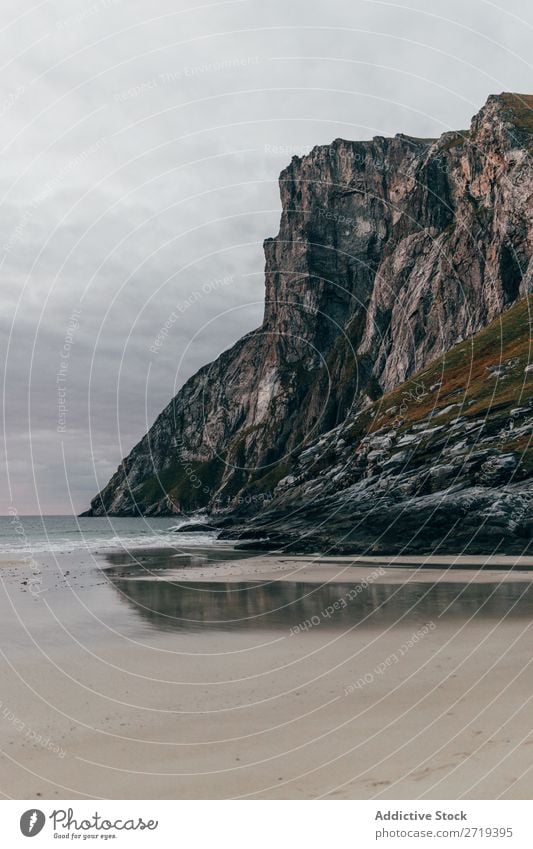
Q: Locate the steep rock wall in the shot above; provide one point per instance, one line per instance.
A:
(389, 252)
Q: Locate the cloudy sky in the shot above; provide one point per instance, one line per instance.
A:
(141, 145)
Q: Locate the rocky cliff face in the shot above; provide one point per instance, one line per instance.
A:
(442, 463)
(389, 252)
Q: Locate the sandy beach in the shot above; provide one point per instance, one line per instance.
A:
(151, 675)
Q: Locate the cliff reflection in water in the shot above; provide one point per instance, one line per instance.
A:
(284, 605)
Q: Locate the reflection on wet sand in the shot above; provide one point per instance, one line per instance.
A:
(221, 605)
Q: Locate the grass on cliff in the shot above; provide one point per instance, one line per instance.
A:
(188, 484)
(521, 107)
(484, 375)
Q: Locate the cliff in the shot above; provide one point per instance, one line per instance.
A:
(443, 463)
(389, 252)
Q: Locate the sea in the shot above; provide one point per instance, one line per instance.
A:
(71, 534)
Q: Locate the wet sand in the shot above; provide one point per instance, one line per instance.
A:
(162, 676)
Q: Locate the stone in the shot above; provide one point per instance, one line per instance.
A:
(403, 285)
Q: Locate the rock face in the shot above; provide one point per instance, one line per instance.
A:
(389, 252)
(442, 463)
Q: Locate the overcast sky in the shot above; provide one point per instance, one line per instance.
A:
(141, 146)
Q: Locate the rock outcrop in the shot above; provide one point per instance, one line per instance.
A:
(389, 252)
(443, 463)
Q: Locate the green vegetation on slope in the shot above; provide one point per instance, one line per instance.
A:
(482, 377)
(521, 106)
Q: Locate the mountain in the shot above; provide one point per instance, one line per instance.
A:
(442, 463)
(389, 253)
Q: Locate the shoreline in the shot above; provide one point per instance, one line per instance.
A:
(346, 569)
(105, 700)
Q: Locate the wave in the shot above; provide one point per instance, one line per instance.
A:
(96, 544)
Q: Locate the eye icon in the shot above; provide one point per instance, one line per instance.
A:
(32, 822)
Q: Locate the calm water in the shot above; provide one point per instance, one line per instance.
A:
(146, 585)
(121, 571)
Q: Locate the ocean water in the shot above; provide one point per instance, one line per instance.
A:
(69, 534)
